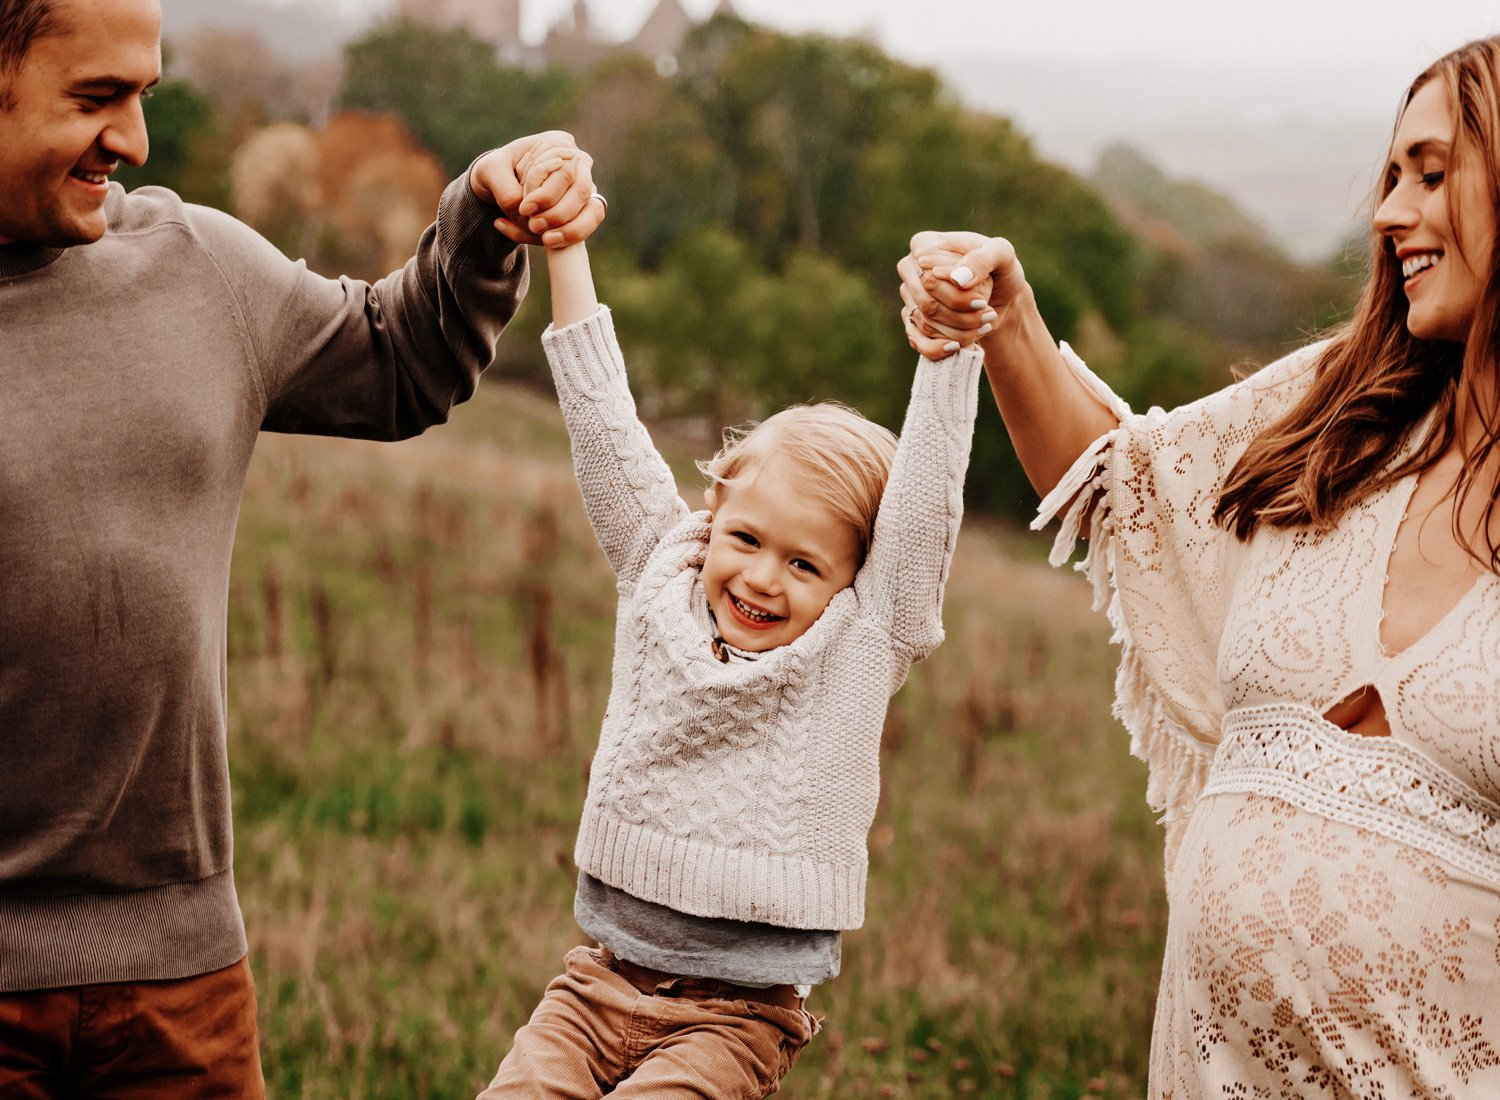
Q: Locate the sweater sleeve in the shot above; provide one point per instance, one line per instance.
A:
(628, 489)
(912, 550)
(1161, 566)
(377, 361)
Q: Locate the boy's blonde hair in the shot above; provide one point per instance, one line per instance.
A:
(843, 458)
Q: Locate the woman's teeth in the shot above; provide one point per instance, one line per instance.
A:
(1420, 262)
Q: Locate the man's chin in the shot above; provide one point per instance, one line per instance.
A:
(77, 232)
(64, 225)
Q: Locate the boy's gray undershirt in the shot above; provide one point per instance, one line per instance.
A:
(741, 952)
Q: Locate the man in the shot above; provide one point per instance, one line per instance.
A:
(144, 343)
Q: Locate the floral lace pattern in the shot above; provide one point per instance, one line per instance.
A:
(1305, 627)
(1334, 924)
(1320, 943)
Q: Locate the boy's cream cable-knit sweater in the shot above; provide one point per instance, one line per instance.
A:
(745, 790)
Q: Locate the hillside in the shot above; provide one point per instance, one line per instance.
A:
(419, 651)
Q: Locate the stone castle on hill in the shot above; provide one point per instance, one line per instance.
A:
(572, 41)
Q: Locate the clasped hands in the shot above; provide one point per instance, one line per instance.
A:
(544, 188)
(956, 289)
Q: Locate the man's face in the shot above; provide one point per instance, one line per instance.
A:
(74, 115)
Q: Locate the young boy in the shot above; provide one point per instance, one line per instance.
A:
(722, 847)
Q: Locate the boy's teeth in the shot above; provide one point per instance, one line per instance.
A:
(750, 612)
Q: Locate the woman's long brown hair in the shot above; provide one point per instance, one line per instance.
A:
(1375, 382)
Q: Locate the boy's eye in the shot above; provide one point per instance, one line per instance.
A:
(804, 566)
(744, 537)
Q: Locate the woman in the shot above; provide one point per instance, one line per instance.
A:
(1304, 572)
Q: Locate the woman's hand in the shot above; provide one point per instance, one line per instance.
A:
(960, 288)
(955, 287)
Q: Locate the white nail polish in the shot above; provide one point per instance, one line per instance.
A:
(978, 303)
(985, 330)
(951, 346)
(961, 276)
(989, 316)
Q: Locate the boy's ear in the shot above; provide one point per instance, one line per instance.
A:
(711, 499)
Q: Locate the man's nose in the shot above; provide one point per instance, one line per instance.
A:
(125, 136)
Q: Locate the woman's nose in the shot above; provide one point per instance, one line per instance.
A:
(1395, 212)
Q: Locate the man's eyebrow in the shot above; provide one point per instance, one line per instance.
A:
(114, 83)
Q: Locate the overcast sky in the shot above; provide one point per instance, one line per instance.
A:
(1405, 34)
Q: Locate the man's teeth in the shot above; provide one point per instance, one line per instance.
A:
(1420, 262)
(750, 612)
(91, 177)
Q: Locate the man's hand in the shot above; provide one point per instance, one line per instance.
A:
(543, 185)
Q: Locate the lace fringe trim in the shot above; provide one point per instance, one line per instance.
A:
(1178, 763)
(1373, 783)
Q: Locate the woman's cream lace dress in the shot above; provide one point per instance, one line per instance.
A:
(1334, 899)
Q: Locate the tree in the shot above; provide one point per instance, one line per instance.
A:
(189, 152)
(447, 86)
(791, 118)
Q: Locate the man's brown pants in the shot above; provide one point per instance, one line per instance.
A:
(164, 1040)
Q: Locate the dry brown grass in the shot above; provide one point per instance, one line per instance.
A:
(420, 645)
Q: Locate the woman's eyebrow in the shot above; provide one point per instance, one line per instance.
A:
(1417, 149)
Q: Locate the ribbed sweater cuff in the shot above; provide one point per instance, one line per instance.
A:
(585, 357)
(951, 386)
(708, 881)
(467, 233)
(173, 931)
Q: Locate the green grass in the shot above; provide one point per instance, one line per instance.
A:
(419, 649)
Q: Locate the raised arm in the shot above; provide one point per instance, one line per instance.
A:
(386, 360)
(962, 288)
(628, 489)
(917, 527)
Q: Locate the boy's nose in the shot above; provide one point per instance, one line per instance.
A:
(760, 575)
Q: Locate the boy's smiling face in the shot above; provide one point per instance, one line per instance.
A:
(776, 556)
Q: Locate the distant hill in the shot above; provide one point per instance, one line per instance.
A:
(1297, 149)
(1179, 215)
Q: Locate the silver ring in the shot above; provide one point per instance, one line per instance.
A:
(911, 316)
(602, 200)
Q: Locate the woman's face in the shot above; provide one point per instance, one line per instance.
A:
(1444, 259)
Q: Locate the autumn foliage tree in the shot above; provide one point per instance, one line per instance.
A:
(760, 197)
(449, 89)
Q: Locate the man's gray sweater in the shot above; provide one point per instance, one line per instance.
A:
(135, 374)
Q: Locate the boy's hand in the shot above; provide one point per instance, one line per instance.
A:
(543, 186)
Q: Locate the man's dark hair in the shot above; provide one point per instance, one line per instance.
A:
(22, 22)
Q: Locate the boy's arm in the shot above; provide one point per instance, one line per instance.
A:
(628, 489)
(923, 502)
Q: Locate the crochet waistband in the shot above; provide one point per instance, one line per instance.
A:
(1375, 783)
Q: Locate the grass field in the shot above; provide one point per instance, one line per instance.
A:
(419, 653)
